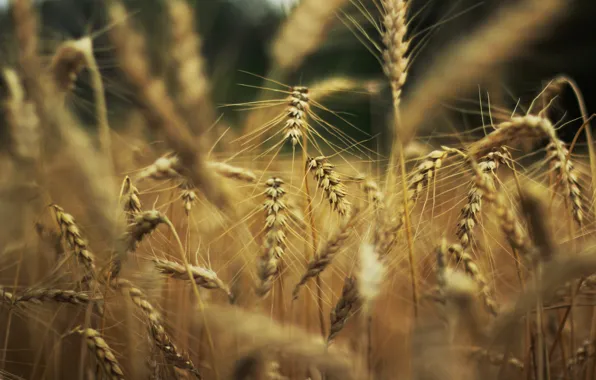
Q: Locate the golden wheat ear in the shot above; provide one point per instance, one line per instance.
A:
(103, 353)
(68, 61)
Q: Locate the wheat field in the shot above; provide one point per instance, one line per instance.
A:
(284, 247)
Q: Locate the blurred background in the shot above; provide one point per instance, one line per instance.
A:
(237, 35)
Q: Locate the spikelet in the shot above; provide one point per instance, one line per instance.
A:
(469, 215)
(275, 236)
(130, 199)
(103, 353)
(76, 242)
(57, 295)
(143, 224)
(395, 57)
(345, 307)
(156, 329)
(297, 112)
(461, 257)
(560, 163)
(203, 277)
(329, 180)
(326, 253)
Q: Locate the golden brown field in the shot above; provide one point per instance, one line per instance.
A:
(179, 246)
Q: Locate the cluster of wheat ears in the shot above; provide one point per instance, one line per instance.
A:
(176, 248)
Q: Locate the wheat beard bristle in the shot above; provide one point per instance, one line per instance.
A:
(103, 353)
(297, 111)
(329, 180)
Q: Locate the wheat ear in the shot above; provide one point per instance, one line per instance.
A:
(330, 181)
(469, 214)
(156, 329)
(144, 223)
(131, 203)
(461, 257)
(6, 296)
(297, 112)
(344, 308)
(74, 239)
(326, 253)
(103, 353)
(275, 236)
(66, 64)
(203, 277)
(57, 295)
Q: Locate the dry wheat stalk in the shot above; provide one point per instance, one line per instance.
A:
(396, 46)
(441, 254)
(103, 353)
(143, 224)
(74, 239)
(469, 215)
(297, 112)
(327, 252)
(344, 308)
(203, 277)
(156, 329)
(57, 295)
(329, 180)
(461, 257)
(303, 31)
(190, 68)
(275, 236)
